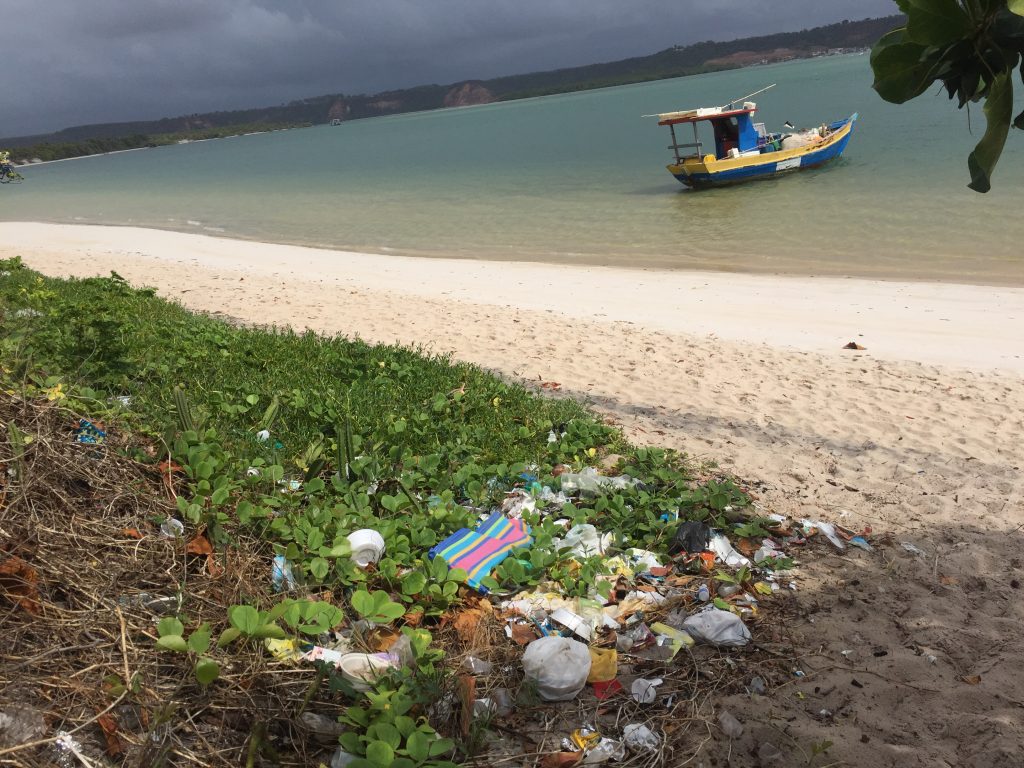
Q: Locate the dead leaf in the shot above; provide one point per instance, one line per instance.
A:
(971, 679)
(413, 618)
(20, 582)
(552, 385)
(199, 545)
(853, 345)
(381, 639)
(467, 623)
(949, 580)
(747, 546)
(108, 724)
(523, 634)
(131, 533)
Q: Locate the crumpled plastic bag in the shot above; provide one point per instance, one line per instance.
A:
(640, 738)
(558, 666)
(690, 537)
(725, 552)
(645, 690)
(584, 541)
(714, 626)
(604, 665)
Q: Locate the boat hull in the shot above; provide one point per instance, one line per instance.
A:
(709, 172)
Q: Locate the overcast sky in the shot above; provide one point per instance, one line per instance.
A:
(71, 62)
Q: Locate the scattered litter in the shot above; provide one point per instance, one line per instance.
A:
(758, 687)
(367, 546)
(604, 665)
(69, 752)
(690, 537)
(730, 726)
(640, 738)
(584, 541)
(281, 576)
(591, 483)
(828, 529)
(477, 666)
(323, 728)
(263, 435)
(605, 750)
(479, 552)
(645, 690)
(767, 550)
(172, 528)
(362, 669)
(717, 627)
(724, 551)
(862, 543)
(20, 724)
(769, 754)
(342, 759)
(90, 433)
(607, 689)
(152, 603)
(913, 549)
(576, 624)
(558, 666)
(674, 639)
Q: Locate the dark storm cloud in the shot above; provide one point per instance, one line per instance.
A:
(81, 61)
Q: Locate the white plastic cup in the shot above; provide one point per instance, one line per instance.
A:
(367, 546)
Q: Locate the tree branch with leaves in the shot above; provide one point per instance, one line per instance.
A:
(973, 48)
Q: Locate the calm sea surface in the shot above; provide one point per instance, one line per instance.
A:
(580, 178)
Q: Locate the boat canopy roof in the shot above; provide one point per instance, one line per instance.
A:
(704, 113)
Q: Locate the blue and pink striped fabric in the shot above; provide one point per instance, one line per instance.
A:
(479, 552)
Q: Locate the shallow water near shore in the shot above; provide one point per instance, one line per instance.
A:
(580, 178)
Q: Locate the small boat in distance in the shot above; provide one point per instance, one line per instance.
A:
(744, 150)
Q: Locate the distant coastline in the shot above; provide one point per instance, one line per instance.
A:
(678, 61)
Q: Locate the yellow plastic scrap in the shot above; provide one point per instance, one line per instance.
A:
(283, 650)
(585, 738)
(619, 567)
(679, 639)
(604, 665)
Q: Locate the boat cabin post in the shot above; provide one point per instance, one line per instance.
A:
(676, 146)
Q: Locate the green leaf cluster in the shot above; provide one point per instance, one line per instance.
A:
(973, 48)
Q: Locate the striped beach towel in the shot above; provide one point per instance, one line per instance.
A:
(479, 552)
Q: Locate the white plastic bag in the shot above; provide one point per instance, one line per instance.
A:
(645, 690)
(584, 541)
(640, 738)
(717, 627)
(558, 666)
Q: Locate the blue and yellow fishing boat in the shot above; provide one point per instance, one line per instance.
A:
(744, 150)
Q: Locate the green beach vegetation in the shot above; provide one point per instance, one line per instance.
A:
(267, 442)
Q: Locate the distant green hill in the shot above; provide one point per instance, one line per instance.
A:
(672, 62)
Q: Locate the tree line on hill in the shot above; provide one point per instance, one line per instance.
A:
(672, 62)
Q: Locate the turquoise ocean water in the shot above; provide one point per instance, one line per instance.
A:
(580, 178)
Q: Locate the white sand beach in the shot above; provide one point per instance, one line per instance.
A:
(914, 657)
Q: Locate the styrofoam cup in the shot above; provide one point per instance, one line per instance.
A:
(367, 546)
